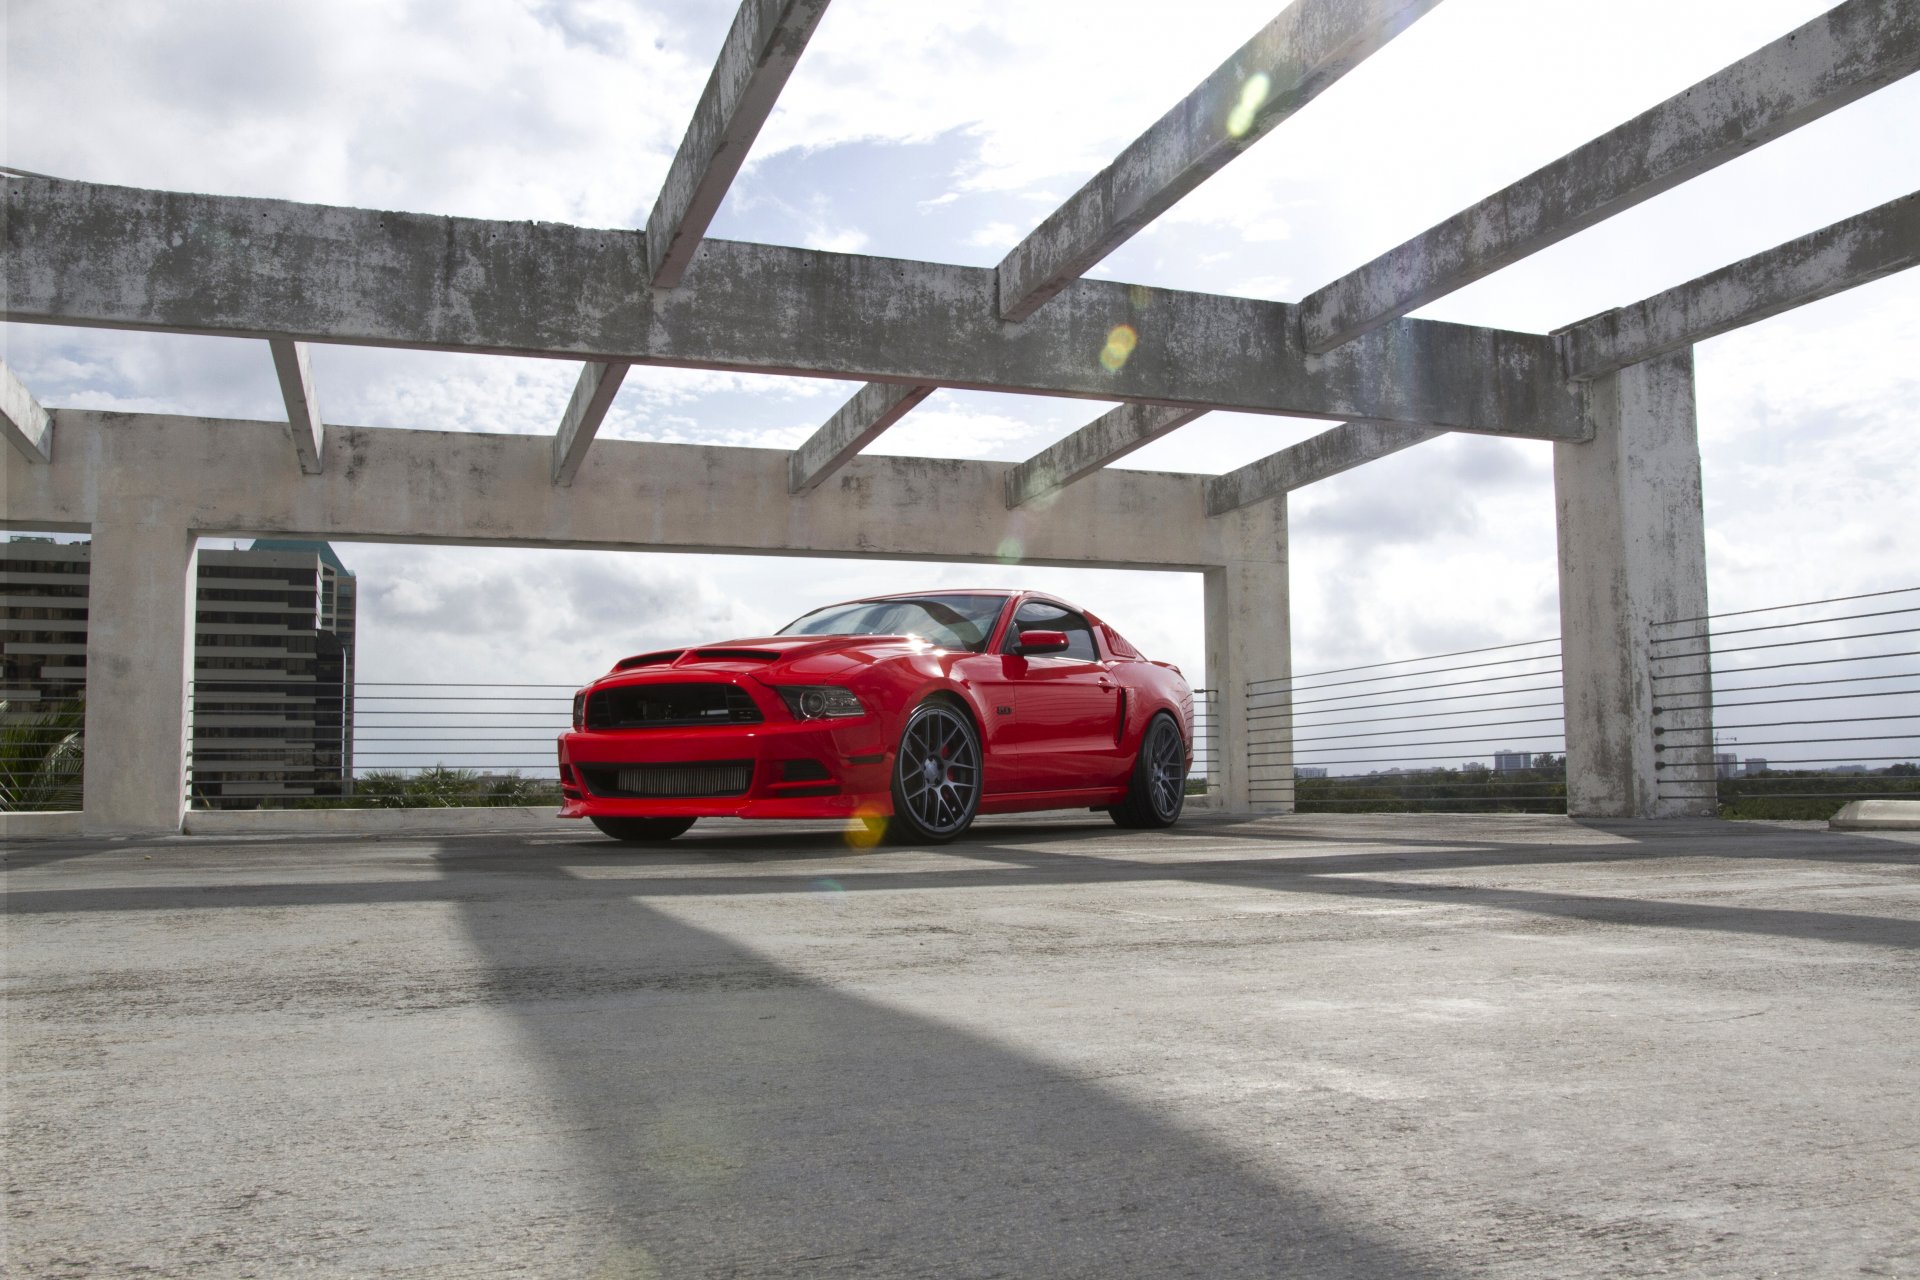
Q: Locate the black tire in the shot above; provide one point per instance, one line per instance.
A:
(642, 830)
(1157, 792)
(936, 775)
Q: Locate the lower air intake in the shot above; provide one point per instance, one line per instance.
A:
(670, 781)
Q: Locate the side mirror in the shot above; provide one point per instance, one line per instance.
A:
(1033, 642)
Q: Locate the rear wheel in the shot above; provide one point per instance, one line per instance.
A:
(642, 830)
(936, 775)
(1158, 789)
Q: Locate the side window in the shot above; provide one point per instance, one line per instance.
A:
(1037, 615)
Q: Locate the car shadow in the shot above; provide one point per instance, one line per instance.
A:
(733, 1116)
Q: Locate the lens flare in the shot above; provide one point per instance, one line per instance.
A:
(829, 891)
(1121, 340)
(1011, 550)
(864, 829)
(1139, 297)
(1253, 96)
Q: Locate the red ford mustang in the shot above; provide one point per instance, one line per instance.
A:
(905, 714)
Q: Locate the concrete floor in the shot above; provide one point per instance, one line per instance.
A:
(1340, 1047)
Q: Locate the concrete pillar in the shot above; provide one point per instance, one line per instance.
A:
(1632, 553)
(140, 607)
(1249, 639)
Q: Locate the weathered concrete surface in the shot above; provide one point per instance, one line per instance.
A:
(1341, 448)
(140, 608)
(56, 824)
(294, 368)
(1844, 54)
(1111, 436)
(1309, 46)
(1329, 1047)
(23, 422)
(1632, 552)
(1249, 625)
(586, 409)
(761, 50)
(1850, 253)
(404, 485)
(854, 426)
(1877, 815)
(121, 257)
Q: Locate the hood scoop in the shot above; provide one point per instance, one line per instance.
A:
(660, 659)
(734, 655)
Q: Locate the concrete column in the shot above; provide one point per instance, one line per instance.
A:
(140, 606)
(1249, 639)
(1632, 553)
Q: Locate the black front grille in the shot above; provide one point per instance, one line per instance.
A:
(670, 706)
(694, 779)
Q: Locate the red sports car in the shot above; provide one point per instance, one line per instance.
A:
(905, 715)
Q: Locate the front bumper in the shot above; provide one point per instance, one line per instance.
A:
(788, 760)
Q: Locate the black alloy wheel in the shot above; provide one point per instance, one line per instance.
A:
(936, 775)
(1157, 791)
(642, 830)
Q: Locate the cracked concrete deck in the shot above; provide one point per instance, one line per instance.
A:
(1329, 1046)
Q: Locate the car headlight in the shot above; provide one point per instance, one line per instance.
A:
(820, 702)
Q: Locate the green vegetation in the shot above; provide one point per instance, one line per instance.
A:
(1808, 794)
(1538, 790)
(40, 756)
(440, 787)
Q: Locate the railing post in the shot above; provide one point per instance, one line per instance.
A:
(140, 611)
(1632, 547)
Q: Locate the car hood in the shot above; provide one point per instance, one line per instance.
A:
(777, 656)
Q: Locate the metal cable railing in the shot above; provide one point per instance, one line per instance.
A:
(1204, 775)
(1415, 733)
(1790, 716)
(42, 743)
(283, 741)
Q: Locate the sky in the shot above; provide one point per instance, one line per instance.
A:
(946, 132)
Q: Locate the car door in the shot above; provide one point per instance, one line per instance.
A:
(1066, 706)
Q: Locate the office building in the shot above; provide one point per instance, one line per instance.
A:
(272, 695)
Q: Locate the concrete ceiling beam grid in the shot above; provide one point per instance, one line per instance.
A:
(294, 368)
(1309, 46)
(1845, 54)
(1851, 252)
(761, 50)
(119, 257)
(1109, 437)
(1343, 448)
(857, 424)
(27, 427)
(592, 396)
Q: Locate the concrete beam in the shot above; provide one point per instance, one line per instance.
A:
(1848, 253)
(1309, 46)
(1111, 436)
(125, 258)
(24, 423)
(761, 50)
(1343, 448)
(1844, 54)
(857, 424)
(592, 397)
(295, 371)
(219, 476)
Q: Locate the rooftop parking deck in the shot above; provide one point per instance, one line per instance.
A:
(1332, 1046)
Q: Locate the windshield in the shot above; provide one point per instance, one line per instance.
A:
(951, 622)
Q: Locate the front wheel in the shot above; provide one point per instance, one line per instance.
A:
(1158, 789)
(936, 775)
(642, 830)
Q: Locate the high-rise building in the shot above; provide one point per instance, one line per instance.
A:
(273, 663)
(1726, 764)
(1512, 761)
(1753, 766)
